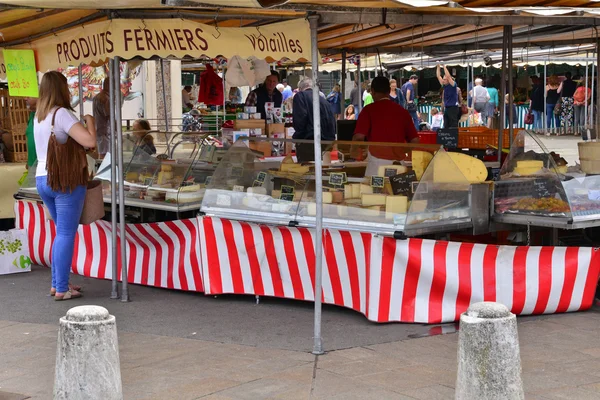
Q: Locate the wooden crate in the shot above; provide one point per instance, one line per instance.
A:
(14, 116)
(477, 138)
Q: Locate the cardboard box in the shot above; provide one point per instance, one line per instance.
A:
(275, 128)
(263, 147)
(238, 125)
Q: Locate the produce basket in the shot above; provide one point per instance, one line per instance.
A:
(477, 138)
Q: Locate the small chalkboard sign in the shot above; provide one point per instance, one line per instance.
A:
(148, 181)
(257, 183)
(377, 181)
(544, 188)
(389, 172)
(448, 137)
(208, 180)
(285, 189)
(287, 196)
(402, 184)
(238, 188)
(261, 176)
(336, 178)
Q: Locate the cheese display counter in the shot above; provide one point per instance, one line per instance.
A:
(167, 173)
(413, 189)
(540, 188)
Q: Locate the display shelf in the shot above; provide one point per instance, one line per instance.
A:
(538, 188)
(360, 192)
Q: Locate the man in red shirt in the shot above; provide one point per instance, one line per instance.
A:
(384, 121)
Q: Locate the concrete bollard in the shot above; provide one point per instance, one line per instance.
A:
(489, 363)
(87, 356)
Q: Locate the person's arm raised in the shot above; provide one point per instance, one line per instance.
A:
(448, 76)
(439, 75)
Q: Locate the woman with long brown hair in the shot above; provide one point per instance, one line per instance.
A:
(60, 179)
(552, 98)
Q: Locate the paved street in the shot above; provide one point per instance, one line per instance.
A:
(188, 346)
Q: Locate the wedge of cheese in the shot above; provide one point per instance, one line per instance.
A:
(530, 164)
(400, 169)
(420, 161)
(396, 204)
(373, 199)
(294, 169)
(356, 190)
(275, 194)
(365, 189)
(418, 206)
(456, 167)
(525, 171)
(327, 197)
(337, 196)
(166, 168)
(288, 160)
(257, 190)
(348, 194)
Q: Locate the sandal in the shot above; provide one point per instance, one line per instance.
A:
(67, 296)
(71, 287)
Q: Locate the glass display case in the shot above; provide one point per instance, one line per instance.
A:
(165, 171)
(382, 188)
(540, 187)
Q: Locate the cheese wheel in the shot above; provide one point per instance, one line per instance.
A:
(457, 168)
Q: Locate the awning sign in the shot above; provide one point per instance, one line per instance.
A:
(21, 73)
(94, 43)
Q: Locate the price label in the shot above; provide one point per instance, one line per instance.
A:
(403, 184)
(148, 181)
(285, 189)
(208, 180)
(257, 184)
(237, 172)
(261, 177)
(389, 172)
(448, 137)
(337, 178)
(377, 181)
(287, 196)
(544, 188)
(238, 188)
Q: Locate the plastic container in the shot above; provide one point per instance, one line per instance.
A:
(427, 137)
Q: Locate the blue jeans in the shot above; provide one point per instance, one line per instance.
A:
(537, 119)
(415, 119)
(549, 115)
(65, 210)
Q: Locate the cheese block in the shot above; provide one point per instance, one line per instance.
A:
(457, 167)
(132, 176)
(530, 164)
(563, 169)
(375, 208)
(418, 206)
(166, 168)
(190, 188)
(420, 161)
(294, 169)
(288, 160)
(365, 189)
(525, 171)
(257, 190)
(396, 205)
(327, 198)
(275, 194)
(337, 197)
(400, 169)
(352, 202)
(373, 199)
(356, 190)
(164, 177)
(348, 192)
(312, 209)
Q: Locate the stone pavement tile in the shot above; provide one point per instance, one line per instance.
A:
(12, 396)
(8, 370)
(35, 382)
(538, 381)
(190, 390)
(266, 388)
(369, 393)
(397, 380)
(353, 354)
(4, 324)
(434, 392)
(215, 397)
(587, 368)
(547, 353)
(570, 394)
(571, 339)
(354, 368)
(299, 393)
(594, 352)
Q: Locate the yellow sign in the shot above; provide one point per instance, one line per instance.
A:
(95, 43)
(21, 73)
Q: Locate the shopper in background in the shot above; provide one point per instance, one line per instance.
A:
(436, 119)
(266, 93)
(31, 154)
(235, 95)
(101, 111)
(507, 113)
(145, 142)
(280, 87)
(365, 91)
(61, 182)
(581, 99)
(480, 98)
(552, 99)
(567, 90)
(186, 98)
(493, 102)
(350, 114)
(287, 91)
(304, 120)
(409, 92)
(384, 121)
(355, 96)
(396, 95)
(450, 98)
(334, 100)
(537, 103)
(368, 97)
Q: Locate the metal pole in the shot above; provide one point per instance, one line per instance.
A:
(119, 133)
(597, 84)
(113, 182)
(318, 344)
(585, 111)
(359, 84)
(545, 119)
(468, 95)
(590, 121)
(164, 93)
(501, 106)
(79, 80)
(343, 88)
(511, 116)
(225, 96)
